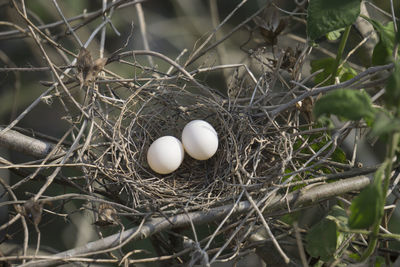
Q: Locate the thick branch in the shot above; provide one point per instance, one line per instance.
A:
(22, 143)
(294, 199)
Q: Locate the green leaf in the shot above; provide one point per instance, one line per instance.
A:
(290, 218)
(326, 64)
(339, 156)
(334, 35)
(325, 121)
(339, 215)
(381, 54)
(355, 256)
(349, 104)
(380, 173)
(324, 16)
(346, 73)
(384, 123)
(367, 208)
(322, 239)
(380, 261)
(392, 95)
(383, 50)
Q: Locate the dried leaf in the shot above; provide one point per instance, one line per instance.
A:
(107, 215)
(96, 67)
(87, 68)
(84, 62)
(99, 64)
(33, 210)
(290, 57)
(270, 25)
(307, 108)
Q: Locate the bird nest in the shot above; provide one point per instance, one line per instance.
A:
(254, 150)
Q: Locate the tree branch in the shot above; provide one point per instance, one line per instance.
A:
(302, 197)
(25, 144)
(324, 89)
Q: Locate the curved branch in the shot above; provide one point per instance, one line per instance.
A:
(302, 197)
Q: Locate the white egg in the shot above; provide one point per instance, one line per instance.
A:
(200, 139)
(165, 155)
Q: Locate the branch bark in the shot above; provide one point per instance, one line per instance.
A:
(25, 144)
(302, 197)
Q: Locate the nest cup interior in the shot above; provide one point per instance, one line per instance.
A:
(244, 151)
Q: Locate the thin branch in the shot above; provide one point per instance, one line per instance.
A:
(87, 16)
(66, 23)
(300, 245)
(268, 229)
(324, 89)
(168, 60)
(202, 53)
(195, 53)
(143, 31)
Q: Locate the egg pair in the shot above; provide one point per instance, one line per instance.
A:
(199, 140)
